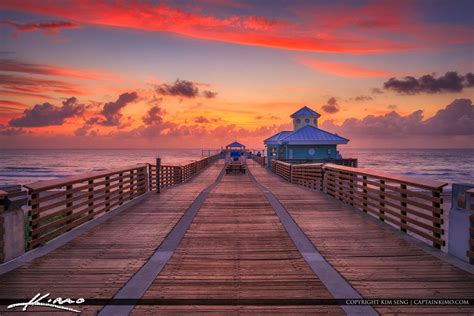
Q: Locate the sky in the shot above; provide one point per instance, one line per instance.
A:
(201, 74)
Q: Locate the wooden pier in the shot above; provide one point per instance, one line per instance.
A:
(261, 242)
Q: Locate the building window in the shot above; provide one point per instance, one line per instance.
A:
(311, 151)
(306, 121)
(298, 121)
(315, 121)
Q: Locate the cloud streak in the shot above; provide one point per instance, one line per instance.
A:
(341, 69)
(402, 30)
(12, 65)
(449, 82)
(50, 26)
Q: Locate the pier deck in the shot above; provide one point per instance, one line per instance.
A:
(221, 243)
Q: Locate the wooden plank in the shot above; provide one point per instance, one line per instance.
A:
(98, 263)
(376, 261)
(236, 248)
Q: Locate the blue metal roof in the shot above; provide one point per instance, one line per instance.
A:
(305, 111)
(307, 135)
(275, 138)
(310, 135)
(235, 144)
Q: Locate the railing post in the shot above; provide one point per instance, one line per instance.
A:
(364, 185)
(158, 174)
(351, 188)
(107, 193)
(120, 192)
(403, 204)
(33, 216)
(291, 173)
(69, 204)
(382, 197)
(437, 194)
(132, 181)
(90, 205)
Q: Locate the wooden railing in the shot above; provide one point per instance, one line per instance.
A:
(259, 159)
(3, 196)
(171, 175)
(470, 207)
(349, 162)
(308, 175)
(282, 169)
(58, 206)
(414, 206)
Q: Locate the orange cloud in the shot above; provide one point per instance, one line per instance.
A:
(342, 69)
(247, 30)
(12, 65)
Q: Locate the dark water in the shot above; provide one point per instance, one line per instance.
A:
(26, 166)
(449, 165)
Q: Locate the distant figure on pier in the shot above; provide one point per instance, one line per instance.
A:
(259, 154)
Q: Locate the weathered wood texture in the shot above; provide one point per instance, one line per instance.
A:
(60, 205)
(260, 160)
(349, 162)
(470, 206)
(377, 262)
(3, 195)
(172, 175)
(412, 205)
(236, 248)
(98, 263)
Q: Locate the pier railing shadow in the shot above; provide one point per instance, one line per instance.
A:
(412, 205)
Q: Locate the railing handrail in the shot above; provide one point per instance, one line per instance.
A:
(307, 164)
(55, 183)
(428, 184)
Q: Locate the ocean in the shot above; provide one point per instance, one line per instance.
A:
(26, 166)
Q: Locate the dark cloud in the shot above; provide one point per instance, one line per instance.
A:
(455, 119)
(112, 110)
(153, 116)
(363, 98)
(47, 25)
(183, 88)
(449, 82)
(331, 106)
(376, 91)
(209, 94)
(11, 131)
(47, 114)
(469, 80)
(201, 120)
